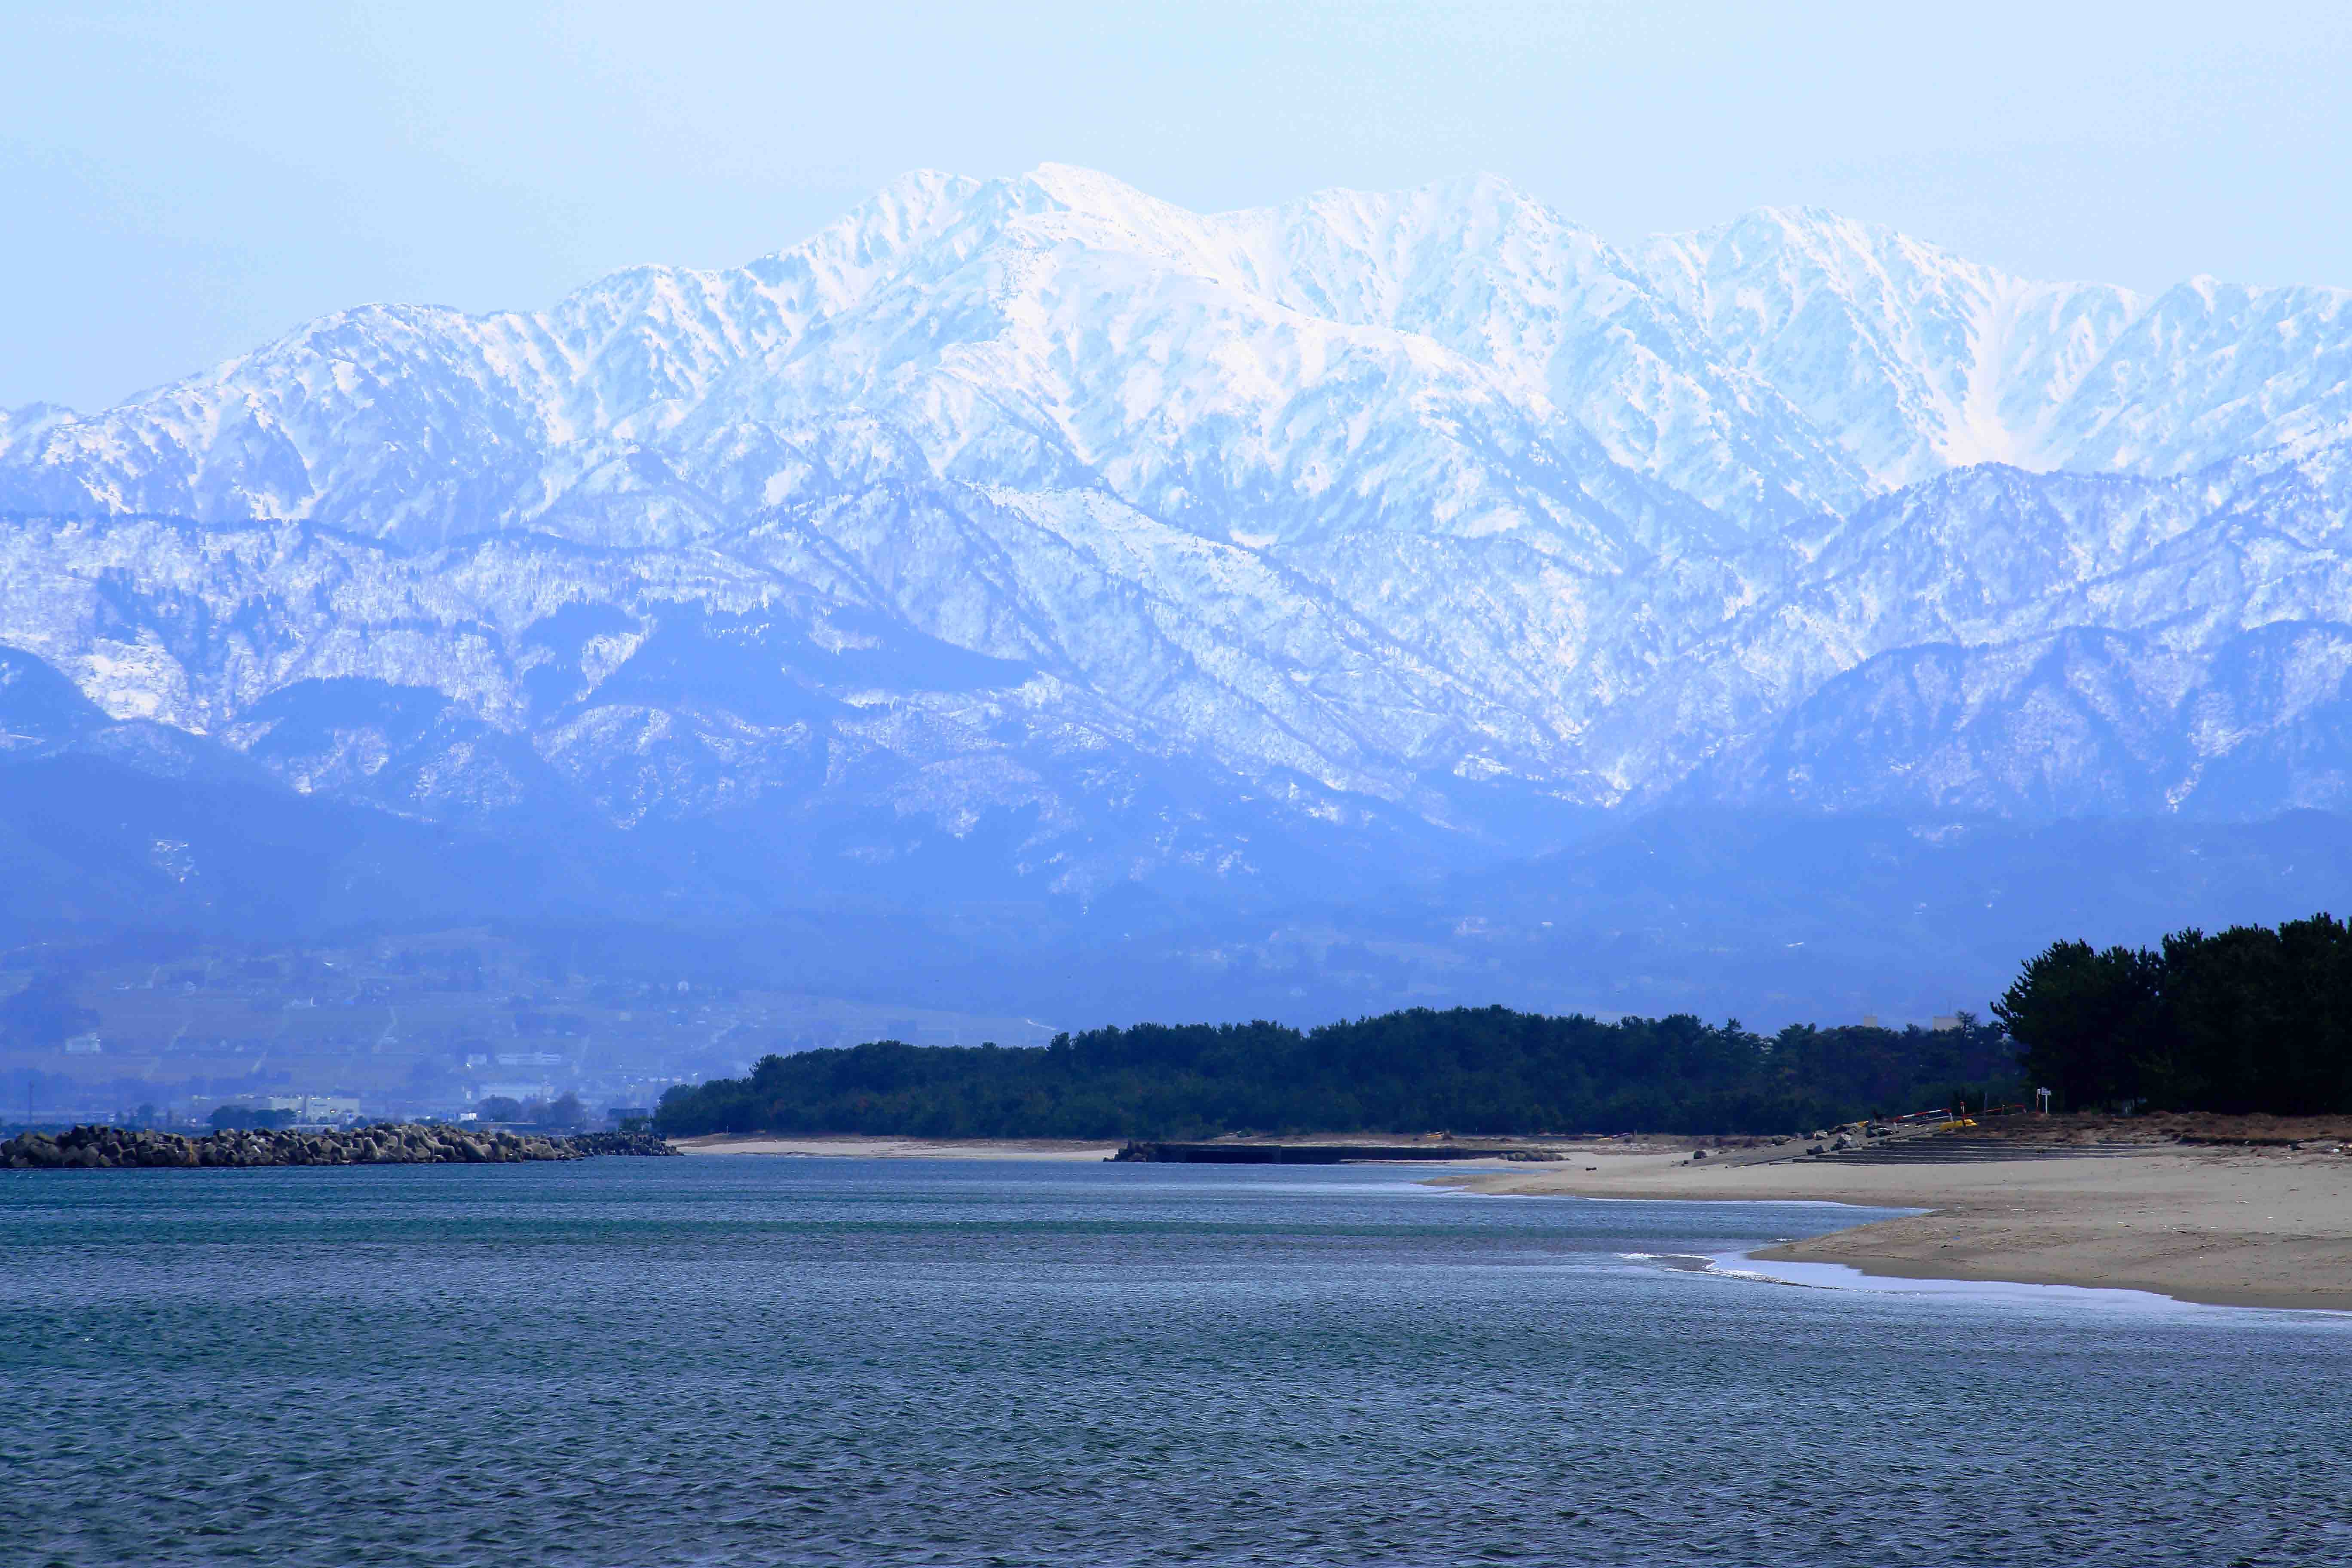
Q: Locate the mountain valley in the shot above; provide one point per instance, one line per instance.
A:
(1033, 544)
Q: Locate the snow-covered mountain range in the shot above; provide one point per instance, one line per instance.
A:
(1133, 541)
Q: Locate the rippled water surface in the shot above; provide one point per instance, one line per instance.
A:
(754, 1361)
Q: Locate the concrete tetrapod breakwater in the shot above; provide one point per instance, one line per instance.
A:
(110, 1148)
(622, 1143)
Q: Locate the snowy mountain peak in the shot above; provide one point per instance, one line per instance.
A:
(1913, 358)
(1032, 494)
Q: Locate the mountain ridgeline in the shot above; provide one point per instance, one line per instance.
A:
(1479, 1070)
(1029, 556)
(1037, 524)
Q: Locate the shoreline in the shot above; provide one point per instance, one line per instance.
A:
(1754, 1266)
(2215, 1227)
(860, 1146)
(1761, 1259)
(2262, 1223)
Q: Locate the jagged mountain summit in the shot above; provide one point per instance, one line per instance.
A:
(1039, 525)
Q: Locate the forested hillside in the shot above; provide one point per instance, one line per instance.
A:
(2249, 1019)
(1484, 1070)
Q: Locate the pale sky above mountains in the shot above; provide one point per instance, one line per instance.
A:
(187, 183)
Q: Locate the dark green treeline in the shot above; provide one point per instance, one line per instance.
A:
(2248, 1019)
(1474, 1070)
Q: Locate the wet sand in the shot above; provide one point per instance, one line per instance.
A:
(2268, 1227)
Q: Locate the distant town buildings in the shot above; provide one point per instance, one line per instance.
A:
(313, 1108)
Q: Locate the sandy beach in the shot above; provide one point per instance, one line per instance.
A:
(2236, 1226)
(2233, 1225)
(865, 1148)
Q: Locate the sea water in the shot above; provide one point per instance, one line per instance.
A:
(764, 1361)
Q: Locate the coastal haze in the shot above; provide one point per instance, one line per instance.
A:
(876, 786)
(1027, 599)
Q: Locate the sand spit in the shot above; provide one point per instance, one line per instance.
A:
(1505, 1149)
(2251, 1211)
(899, 1148)
(2261, 1222)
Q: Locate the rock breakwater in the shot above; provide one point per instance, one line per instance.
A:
(108, 1148)
(622, 1143)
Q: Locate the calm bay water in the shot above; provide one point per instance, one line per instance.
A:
(780, 1362)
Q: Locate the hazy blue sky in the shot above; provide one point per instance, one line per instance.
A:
(185, 184)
